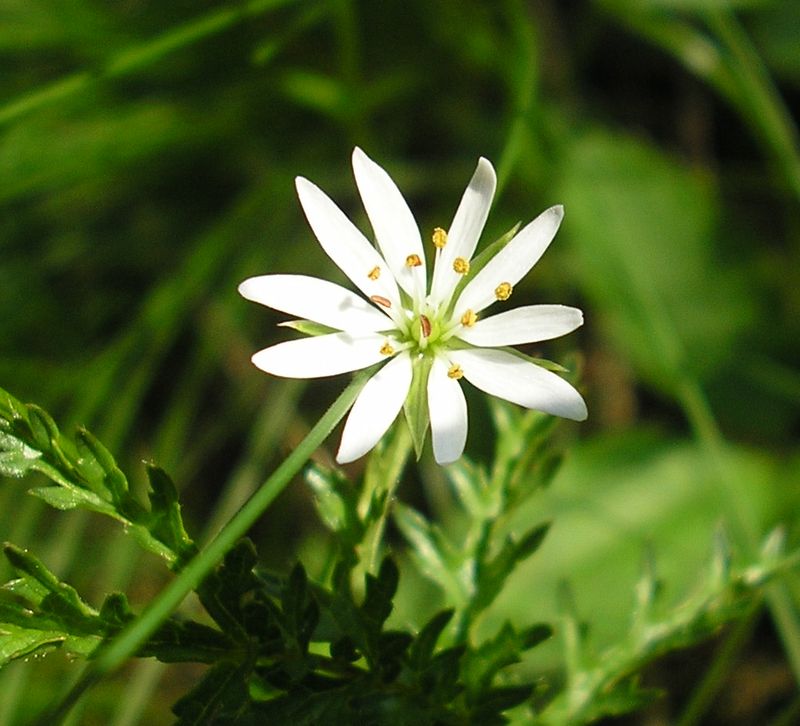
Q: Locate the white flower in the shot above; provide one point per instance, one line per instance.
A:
(440, 333)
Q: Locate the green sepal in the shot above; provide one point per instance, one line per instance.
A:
(308, 327)
(416, 404)
(480, 261)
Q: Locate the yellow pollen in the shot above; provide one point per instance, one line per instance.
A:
(413, 261)
(461, 266)
(374, 273)
(439, 238)
(455, 372)
(386, 349)
(381, 300)
(503, 291)
(468, 319)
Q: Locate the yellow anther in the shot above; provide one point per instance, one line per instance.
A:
(386, 349)
(503, 291)
(413, 261)
(374, 273)
(439, 238)
(461, 266)
(455, 372)
(468, 319)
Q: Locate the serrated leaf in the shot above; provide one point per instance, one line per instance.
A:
(217, 698)
(429, 550)
(113, 485)
(65, 598)
(422, 649)
(481, 665)
(380, 592)
(166, 523)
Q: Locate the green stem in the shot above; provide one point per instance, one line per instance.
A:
(130, 639)
(380, 483)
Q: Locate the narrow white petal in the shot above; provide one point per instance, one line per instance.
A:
(506, 376)
(447, 408)
(375, 408)
(395, 229)
(313, 299)
(346, 246)
(465, 230)
(321, 355)
(513, 262)
(528, 324)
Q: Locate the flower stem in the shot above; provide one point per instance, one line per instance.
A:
(380, 482)
(124, 645)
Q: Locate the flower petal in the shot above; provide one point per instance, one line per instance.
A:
(448, 412)
(375, 408)
(512, 263)
(321, 355)
(528, 324)
(314, 299)
(506, 376)
(465, 230)
(347, 247)
(395, 229)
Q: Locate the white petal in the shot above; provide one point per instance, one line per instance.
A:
(506, 376)
(346, 246)
(465, 230)
(447, 408)
(321, 355)
(313, 299)
(513, 262)
(375, 408)
(528, 324)
(395, 229)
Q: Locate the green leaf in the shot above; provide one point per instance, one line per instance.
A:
(64, 499)
(308, 327)
(16, 458)
(424, 644)
(219, 697)
(416, 403)
(114, 482)
(166, 523)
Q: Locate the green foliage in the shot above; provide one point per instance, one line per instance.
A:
(84, 474)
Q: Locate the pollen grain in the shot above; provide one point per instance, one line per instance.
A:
(503, 291)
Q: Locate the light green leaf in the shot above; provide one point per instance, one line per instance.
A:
(416, 404)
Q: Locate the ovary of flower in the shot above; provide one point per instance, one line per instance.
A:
(400, 320)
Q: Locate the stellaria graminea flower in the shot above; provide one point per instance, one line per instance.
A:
(428, 339)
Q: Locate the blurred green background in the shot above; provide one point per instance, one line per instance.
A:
(147, 157)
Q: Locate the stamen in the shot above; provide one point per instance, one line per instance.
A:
(439, 238)
(413, 261)
(503, 291)
(461, 266)
(374, 273)
(386, 349)
(380, 300)
(455, 372)
(468, 319)
(425, 324)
